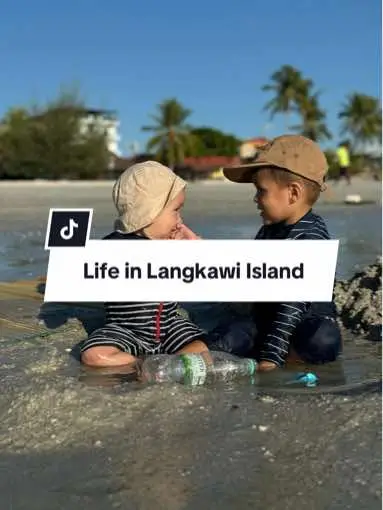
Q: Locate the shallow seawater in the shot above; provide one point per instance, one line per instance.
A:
(22, 253)
(357, 369)
(55, 352)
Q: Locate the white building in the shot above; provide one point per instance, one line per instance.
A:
(105, 121)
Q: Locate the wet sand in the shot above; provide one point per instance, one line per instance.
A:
(72, 438)
(18, 195)
(68, 442)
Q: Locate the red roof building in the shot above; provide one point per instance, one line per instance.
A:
(210, 163)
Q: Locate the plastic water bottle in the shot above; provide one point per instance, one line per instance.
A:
(196, 369)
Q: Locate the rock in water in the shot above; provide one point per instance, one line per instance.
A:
(359, 302)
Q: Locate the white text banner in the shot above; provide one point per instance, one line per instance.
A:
(193, 271)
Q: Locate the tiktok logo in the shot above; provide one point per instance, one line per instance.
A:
(68, 228)
(67, 232)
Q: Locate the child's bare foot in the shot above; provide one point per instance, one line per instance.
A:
(106, 356)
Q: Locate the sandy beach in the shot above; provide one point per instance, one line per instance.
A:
(24, 202)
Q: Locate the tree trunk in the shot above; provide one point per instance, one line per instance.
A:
(171, 160)
(287, 121)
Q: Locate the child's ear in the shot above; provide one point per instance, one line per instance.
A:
(295, 192)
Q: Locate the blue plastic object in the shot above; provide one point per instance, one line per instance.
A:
(309, 379)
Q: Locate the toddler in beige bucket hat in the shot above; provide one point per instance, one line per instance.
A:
(142, 192)
(148, 197)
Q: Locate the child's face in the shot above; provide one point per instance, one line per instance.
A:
(168, 221)
(273, 199)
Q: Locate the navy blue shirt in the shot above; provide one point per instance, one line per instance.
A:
(153, 322)
(277, 322)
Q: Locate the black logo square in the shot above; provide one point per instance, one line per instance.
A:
(68, 228)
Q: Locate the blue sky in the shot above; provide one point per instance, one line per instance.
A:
(213, 55)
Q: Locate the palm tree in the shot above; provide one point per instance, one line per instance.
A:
(172, 135)
(313, 124)
(288, 86)
(362, 119)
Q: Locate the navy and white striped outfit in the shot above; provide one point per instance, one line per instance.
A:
(143, 328)
(309, 328)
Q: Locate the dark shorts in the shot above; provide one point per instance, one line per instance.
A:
(316, 340)
(344, 171)
(180, 333)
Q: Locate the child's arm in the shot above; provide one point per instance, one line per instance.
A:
(277, 342)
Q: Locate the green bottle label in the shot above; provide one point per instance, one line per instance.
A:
(195, 369)
(252, 366)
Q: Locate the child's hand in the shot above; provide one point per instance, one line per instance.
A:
(184, 232)
(265, 366)
(187, 233)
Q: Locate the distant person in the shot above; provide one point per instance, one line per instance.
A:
(148, 197)
(343, 155)
(288, 175)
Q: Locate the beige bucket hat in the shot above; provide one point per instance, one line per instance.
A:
(294, 153)
(141, 193)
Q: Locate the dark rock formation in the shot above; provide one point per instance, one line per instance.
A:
(359, 302)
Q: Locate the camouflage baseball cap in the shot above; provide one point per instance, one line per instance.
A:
(294, 153)
(141, 193)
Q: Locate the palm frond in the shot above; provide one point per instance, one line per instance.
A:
(154, 142)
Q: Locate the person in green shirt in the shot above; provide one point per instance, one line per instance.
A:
(343, 155)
